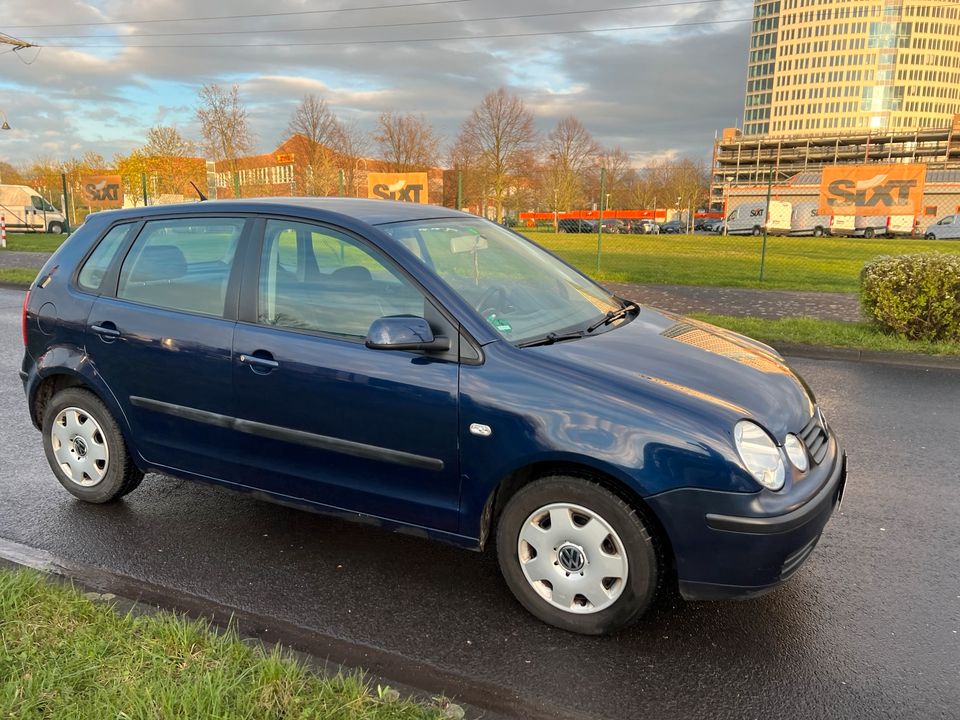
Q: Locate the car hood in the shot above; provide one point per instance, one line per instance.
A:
(694, 364)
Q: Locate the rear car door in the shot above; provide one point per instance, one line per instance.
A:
(162, 337)
(329, 419)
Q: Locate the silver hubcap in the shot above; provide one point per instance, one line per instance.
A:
(80, 447)
(572, 558)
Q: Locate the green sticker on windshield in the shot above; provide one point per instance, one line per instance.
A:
(500, 324)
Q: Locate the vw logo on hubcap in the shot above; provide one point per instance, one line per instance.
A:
(571, 558)
(80, 445)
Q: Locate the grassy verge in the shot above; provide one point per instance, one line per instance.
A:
(806, 331)
(828, 264)
(18, 276)
(62, 656)
(33, 242)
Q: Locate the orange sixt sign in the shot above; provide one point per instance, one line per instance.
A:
(101, 191)
(406, 187)
(872, 189)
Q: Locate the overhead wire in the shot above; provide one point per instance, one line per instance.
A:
(369, 26)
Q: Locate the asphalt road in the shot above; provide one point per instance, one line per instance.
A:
(867, 629)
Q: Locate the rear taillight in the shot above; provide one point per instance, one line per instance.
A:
(888, 221)
(23, 318)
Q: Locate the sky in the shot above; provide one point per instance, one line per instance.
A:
(659, 87)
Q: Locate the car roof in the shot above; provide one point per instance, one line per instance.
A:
(372, 212)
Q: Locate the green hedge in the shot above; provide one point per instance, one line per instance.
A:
(914, 296)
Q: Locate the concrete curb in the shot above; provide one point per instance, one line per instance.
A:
(876, 357)
(480, 698)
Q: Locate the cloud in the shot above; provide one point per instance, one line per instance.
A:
(654, 92)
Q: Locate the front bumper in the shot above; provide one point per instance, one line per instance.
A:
(722, 553)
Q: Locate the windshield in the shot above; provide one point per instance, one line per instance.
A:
(521, 290)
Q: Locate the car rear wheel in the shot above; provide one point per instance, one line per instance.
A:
(868, 233)
(929, 236)
(577, 556)
(85, 448)
(818, 231)
(756, 230)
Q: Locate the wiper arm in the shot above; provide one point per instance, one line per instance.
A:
(614, 315)
(551, 338)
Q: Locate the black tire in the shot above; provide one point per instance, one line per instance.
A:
(55, 228)
(818, 232)
(756, 230)
(643, 573)
(929, 236)
(120, 474)
(868, 234)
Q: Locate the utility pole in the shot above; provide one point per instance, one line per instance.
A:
(17, 44)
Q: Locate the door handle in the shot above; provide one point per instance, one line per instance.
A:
(106, 330)
(260, 362)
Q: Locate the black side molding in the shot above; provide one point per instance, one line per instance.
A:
(298, 437)
(822, 501)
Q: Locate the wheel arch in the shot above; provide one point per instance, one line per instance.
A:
(522, 476)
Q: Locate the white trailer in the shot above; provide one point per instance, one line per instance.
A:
(23, 208)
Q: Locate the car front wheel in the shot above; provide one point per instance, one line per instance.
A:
(577, 556)
(55, 228)
(929, 236)
(85, 448)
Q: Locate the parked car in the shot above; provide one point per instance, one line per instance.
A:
(713, 225)
(572, 225)
(947, 228)
(673, 226)
(644, 226)
(430, 372)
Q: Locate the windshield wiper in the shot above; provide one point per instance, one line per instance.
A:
(551, 338)
(614, 315)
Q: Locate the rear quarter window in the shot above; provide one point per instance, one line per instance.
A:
(95, 268)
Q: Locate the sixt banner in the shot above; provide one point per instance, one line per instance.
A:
(101, 191)
(406, 187)
(872, 189)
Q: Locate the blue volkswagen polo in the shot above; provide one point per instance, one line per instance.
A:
(437, 374)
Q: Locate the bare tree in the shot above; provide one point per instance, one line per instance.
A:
(571, 154)
(315, 122)
(351, 144)
(223, 123)
(500, 134)
(620, 175)
(166, 141)
(406, 141)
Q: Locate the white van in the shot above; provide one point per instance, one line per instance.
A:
(865, 226)
(947, 228)
(747, 219)
(902, 225)
(23, 208)
(807, 220)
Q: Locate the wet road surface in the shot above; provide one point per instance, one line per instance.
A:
(868, 628)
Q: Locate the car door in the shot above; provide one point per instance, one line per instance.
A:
(329, 419)
(950, 227)
(162, 339)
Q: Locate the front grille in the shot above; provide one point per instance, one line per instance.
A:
(814, 437)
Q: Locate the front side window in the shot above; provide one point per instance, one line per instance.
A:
(316, 279)
(95, 268)
(182, 264)
(521, 290)
(947, 220)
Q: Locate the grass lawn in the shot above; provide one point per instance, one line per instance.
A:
(18, 276)
(63, 656)
(860, 336)
(829, 264)
(33, 242)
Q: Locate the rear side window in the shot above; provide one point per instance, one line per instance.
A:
(95, 268)
(182, 264)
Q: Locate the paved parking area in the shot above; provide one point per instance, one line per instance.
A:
(867, 629)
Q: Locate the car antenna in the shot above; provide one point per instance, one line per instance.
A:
(202, 196)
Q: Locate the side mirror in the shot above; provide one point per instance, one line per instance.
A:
(404, 332)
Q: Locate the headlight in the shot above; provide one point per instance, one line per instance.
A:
(760, 454)
(796, 452)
